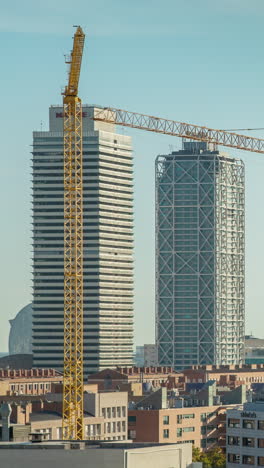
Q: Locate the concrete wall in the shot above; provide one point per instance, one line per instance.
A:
(170, 456)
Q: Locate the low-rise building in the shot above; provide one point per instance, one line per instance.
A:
(204, 427)
(152, 377)
(28, 381)
(105, 415)
(245, 435)
(231, 376)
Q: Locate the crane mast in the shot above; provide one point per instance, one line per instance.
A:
(72, 421)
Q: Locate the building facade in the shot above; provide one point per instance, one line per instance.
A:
(199, 257)
(245, 435)
(108, 245)
(202, 426)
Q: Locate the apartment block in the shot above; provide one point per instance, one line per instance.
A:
(245, 435)
(28, 381)
(203, 426)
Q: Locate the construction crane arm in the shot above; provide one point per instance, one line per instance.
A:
(180, 129)
(75, 62)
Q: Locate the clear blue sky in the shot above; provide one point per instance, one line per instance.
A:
(199, 61)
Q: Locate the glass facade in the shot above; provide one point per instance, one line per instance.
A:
(199, 257)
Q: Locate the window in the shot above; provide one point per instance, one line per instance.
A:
(261, 443)
(260, 461)
(103, 412)
(248, 460)
(188, 416)
(179, 432)
(123, 411)
(113, 412)
(233, 458)
(233, 440)
(248, 424)
(203, 417)
(261, 425)
(233, 422)
(118, 412)
(166, 419)
(179, 418)
(248, 442)
(108, 412)
(132, 434)
(203, 443)
(132, 419)
(165, 433)
(188, 429)
(203, 430)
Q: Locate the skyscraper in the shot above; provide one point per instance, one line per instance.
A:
(108, 245)
(199, 257)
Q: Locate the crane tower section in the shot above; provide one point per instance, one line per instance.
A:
(73, 249)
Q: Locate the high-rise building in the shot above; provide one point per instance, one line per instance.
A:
(200, 236)
(108, 245)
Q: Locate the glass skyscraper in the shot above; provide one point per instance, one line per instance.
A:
(107, 241)
(200, 235)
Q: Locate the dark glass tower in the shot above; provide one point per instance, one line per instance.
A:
(199, 257)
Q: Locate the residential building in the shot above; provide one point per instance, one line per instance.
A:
(105, 415)
(108, 244)
(28, 382)
(200, 236)
(202, 426)
(230, 376)
(153, 377)
(245, 435)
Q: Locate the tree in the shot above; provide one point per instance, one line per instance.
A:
(214, 458)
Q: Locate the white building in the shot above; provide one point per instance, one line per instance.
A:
(245, 435)
(108, 245)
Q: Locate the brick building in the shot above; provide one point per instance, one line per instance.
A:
(155, 377)
(28, 381)
(203, 426)
(231, 376)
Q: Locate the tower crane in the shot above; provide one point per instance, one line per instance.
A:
(72, 421)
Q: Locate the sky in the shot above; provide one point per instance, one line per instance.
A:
(187, 60)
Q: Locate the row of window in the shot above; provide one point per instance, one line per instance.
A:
(246, 441)
(115, 427)
(180, 417)
(114, 412)
(180, 431)
(246, 459)
(246, 423)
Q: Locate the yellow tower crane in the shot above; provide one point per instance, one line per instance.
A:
(72, 422)
(73, 218)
